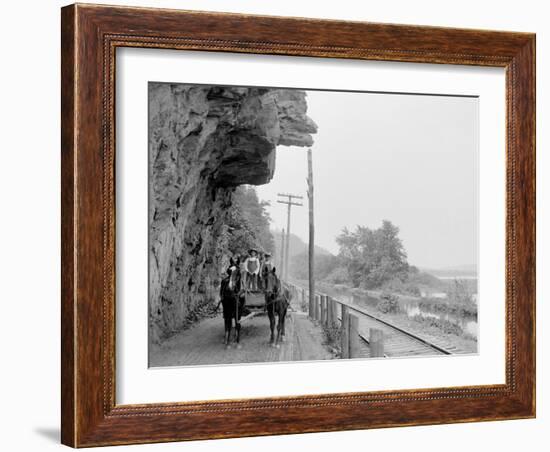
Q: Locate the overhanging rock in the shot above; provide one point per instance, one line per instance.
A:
(203, 142)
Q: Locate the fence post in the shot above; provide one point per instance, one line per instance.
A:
(354, 344)
(323, 310)
(344, 337)
(329, 311)
(376, 343)
(317, 307)
(333, 312)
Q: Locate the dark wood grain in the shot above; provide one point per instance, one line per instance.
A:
(67, 226)
(90, 36)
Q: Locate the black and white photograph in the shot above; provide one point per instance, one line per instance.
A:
(290, 224)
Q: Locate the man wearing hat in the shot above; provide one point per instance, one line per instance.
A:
(252, 266)
(267, 265)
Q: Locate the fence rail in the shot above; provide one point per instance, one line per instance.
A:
(330, 312)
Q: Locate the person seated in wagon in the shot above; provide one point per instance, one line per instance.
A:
(252, 266)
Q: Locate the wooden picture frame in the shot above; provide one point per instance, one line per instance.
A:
(90, 35)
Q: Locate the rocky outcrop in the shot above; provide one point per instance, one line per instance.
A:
(203, 142)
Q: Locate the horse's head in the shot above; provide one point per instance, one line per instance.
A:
(271, 281)
(234, 278)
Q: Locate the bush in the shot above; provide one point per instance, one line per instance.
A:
(448, 306)
(444, 325)
(388, 304)
(332, 335)
(397, 285)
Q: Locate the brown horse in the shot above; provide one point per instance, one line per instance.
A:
(277, 300)
(233, 303)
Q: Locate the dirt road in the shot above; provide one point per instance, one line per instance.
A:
(202, 344)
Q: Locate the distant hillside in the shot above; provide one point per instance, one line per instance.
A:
(297, 245)
(458, 270)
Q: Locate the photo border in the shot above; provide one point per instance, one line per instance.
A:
(90, 36)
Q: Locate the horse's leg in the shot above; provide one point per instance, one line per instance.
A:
(228, 322)
(225, 331)
(280, 323)
(285, 310)
(224, 322)
(271, 314)
(238, 334)
(238, 323)
(279, 337)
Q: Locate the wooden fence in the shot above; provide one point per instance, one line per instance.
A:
(332, 313)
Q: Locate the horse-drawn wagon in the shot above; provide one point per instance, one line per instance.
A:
(254, 300)
(269, 296)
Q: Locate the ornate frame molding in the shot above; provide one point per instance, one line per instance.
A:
(90, 37)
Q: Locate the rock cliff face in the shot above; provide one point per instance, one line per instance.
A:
(203, 142)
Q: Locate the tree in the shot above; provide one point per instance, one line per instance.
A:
(325, 264)
(248, 223)
(338, 275)
(373, 256)
(460, 292)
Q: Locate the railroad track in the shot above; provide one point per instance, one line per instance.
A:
(397, 341)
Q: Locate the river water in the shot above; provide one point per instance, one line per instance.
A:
(409, 306)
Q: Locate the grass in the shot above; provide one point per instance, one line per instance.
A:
(444, 325)
(448, 306)
(333, 334)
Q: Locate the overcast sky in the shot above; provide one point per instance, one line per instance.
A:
(410, 159)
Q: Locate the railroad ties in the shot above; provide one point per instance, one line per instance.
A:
(397, 343)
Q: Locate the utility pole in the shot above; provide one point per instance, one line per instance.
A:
(289, 201)
(311, 229)
(282, 253)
